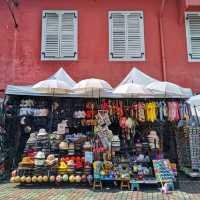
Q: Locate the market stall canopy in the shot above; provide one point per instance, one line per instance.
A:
(62, 75)
(93, 87)
(138, 77)
(52, 86)
(132, 90)
(165, 88)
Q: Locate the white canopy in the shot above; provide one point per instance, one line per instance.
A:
(62, 75)
(138, 77)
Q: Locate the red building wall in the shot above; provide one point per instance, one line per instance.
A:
(20, 49)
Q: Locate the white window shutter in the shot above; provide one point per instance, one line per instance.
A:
(59, 35)
(117, 35)
(135, 35)
(68, 37)
(193, 35)
(50, 35)
(126, 36)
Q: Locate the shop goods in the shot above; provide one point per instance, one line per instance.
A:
(39, 179)
(106, 139)
(65, 178)
(34, 179)
(59, 178)
(52, 179)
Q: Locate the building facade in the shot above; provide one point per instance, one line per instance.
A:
(100, 38)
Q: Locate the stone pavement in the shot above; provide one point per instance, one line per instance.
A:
(189, 190)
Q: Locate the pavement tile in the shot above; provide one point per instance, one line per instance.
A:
(189, 190)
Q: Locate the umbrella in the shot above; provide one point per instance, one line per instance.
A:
(165, 88)
(131, 89)
(53, 86)
(92, 85)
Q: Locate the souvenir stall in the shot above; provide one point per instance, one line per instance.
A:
(76, 138)
(93, 141)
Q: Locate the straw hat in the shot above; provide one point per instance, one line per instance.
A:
(26, 161)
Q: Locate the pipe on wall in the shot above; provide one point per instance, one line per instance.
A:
(162, 42)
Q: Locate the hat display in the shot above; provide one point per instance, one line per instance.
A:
(26, 162)
(71, 149)
(39, 158)
(42, 134)
(62, 167)
(51, 160)
(63, 145)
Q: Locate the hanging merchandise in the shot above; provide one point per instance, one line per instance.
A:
(151, 110)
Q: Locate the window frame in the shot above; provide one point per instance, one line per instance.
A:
(43, 36)
(143, 58)
(188, 40)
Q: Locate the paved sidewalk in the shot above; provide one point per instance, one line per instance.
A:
(189, 190)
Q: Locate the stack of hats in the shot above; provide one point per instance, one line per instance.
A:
(78, 164)
(87, 168)
(31, 142)
(71, 166)
(43, 141)
(39, 159)
(55, 140)
(51, 160)
(62, 167)
(63, 146)
(71, 149)
(42, 135)
(26, 162)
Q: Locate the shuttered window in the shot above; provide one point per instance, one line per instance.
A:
(126, 36)
(192, 21)
(59, 35)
